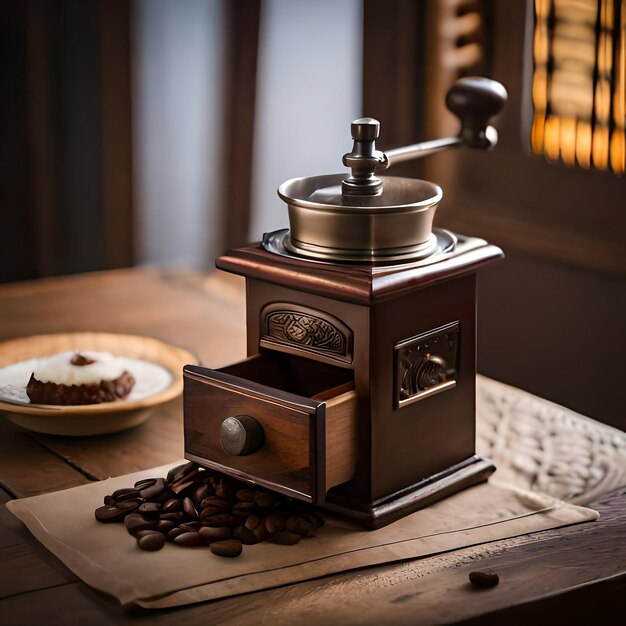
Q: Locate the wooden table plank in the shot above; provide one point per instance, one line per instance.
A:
(27, 468)
(26, 566)
(157, 441)
(205, 315)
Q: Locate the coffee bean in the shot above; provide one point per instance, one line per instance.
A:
(146, 482)
(175, 532)
(183, 487)
(165, 525)
(228, 548)
(109, 499)
(125, 494)
(260, 532)
(180, 471)
(110, 513)
(149, 509)
(245, 495)
(171, 505)
(245, 534)
(189, 539)
(253, 521)
(221, 519)
(245, 506)
(217, 502)
(299, 525)
(264, 499)
(155, 490)
(274, 522)
(175, 516)
(189, 508)
(190, 526)
(484, 579)
(142, 533)
(210, 511)
(200, 493)
(151, 542)
(316, 520)
(284, 538)
(224, 488)
(136, 522)
(129, 505)
(210, 534)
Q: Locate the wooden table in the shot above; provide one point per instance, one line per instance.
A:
(578, 572)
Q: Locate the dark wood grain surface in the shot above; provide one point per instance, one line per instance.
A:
(567, 576)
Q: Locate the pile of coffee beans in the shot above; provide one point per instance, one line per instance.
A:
(195, 507)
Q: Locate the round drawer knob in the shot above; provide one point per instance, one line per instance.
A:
(432, 372)
(241, 435)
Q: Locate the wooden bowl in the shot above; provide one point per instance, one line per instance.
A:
(93, 419)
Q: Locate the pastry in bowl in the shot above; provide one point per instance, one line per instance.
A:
(71, 378)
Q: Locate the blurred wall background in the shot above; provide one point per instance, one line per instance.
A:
(308, 89)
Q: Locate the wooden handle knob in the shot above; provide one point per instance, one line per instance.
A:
(241, 435)
(475, 100)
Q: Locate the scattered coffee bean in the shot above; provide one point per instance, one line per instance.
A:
(189, 508)
(151, 542)
(228, 547)
(146, 482)
(200, 493)
(111, 513)
(217, 502)
(175, 532)
(154, 490)
(260, 532)
(198, 507)
(134, 522)
(274, 522)
(245, 506)
(284, 538)
(189, 539)
(210, 534)
(182, 487)
(484, 580)
(221, 519)
(299, 525)
(264, 499)
(245, 495)
(149, 509)
(245, 535)
(165, 525)
(224, 489)
(125, 494)
(176, 516)
(180, 471)
(172, 505)
(142, 533)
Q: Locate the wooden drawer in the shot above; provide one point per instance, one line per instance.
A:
(307, 412)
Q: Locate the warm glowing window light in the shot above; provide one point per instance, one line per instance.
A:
(578, 87)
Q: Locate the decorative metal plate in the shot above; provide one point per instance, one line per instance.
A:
(426, 364)
(293, 328)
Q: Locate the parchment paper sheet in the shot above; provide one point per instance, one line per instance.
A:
(107, 558)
